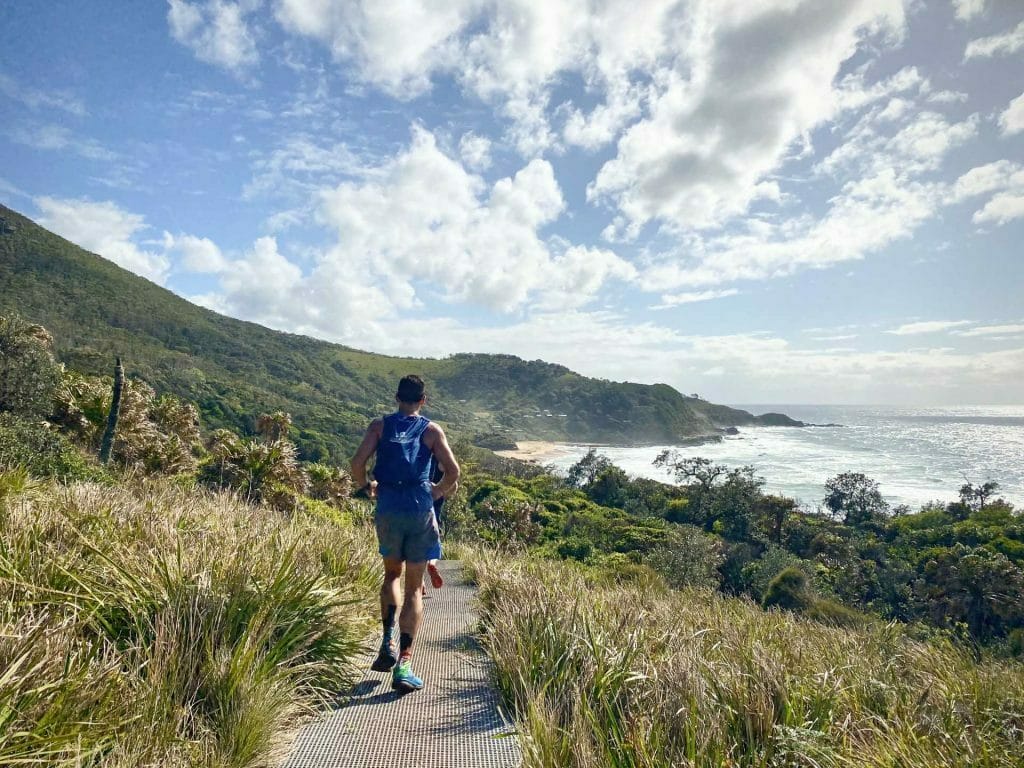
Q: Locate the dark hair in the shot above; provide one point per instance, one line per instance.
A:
(410, 389)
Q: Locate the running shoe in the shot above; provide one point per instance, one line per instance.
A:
(385, 660)
(435, 576)
(402, 678)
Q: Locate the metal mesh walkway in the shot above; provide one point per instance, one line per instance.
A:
(454, 722)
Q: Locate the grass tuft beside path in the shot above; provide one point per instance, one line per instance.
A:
(156, 625)
(604, 675)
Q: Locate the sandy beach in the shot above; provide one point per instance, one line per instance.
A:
(535, 450)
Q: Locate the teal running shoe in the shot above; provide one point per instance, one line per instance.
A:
(402, 678)
(385, 660)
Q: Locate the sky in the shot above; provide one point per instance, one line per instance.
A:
(782, 201)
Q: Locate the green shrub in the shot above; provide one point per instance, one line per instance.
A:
(575, 548)
(323, 510)
(495, 441)
(836, 614)
(759, 574)
(1015, 641)
(689, 558)
(42, 451)
(788, 590)
(28, 373)
(617, 568)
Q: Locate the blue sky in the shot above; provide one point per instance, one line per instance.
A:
(782, 201)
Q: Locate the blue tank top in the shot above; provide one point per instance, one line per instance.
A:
(402, 458)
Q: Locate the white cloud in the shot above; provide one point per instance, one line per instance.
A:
(605, 121)
(852, 92)
(992, 330)
(262, 283)
(106, 229)
(332, 302)
(947, 97)
(196, 254)
(1005, 178)
(396, 47)
(1012, 120)
(1003, 207)
(35, 99)
(690, 297)
(920, 144)
(924, 143)
(8, 191)
(58, 138)
(1005, 44)
(968, 9)
(508, 53)
(422, 216)
(475, 151)
(983, 179)
(882, 163)
(868, 215)
(576, 275)
(529, 131)
(928, 326)
(699, 157)
(300, 166)
(216, 31)
(416, 229)
(686, 60)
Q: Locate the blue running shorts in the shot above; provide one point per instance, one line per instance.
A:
(407, 531)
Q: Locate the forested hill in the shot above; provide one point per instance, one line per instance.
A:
(234, 370)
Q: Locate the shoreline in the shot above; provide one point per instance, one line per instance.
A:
(537, 450)
(541, 450)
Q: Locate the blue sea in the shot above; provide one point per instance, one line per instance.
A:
(916, 455)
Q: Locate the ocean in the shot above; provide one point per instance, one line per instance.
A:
(916, 455)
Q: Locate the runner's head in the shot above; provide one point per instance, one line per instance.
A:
(410, 391)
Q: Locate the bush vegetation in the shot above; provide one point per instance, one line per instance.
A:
(639, 676)
(147, 620)
(958, 567)
(150, 624)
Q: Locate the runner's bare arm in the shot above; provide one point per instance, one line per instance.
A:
(438, 445)
(366, 449)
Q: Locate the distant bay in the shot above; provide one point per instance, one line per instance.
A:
(916, 455)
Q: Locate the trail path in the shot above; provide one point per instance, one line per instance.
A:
(454, 722)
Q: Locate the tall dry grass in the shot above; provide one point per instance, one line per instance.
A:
(620, 676)
(156, 625)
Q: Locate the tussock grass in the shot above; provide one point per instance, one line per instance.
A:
(603, 675)
(158, 625)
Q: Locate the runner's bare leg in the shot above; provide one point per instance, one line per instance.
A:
(412, 607)
(390, 590)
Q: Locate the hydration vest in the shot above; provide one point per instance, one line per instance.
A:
(403, 460)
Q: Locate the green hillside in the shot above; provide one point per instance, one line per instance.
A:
(233, 370)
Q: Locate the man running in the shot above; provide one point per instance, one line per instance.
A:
(405, 444)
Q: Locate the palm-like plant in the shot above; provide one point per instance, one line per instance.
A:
(273, 427)
(80, 404)
(265, 467)
(260, 470)
(330, 484)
